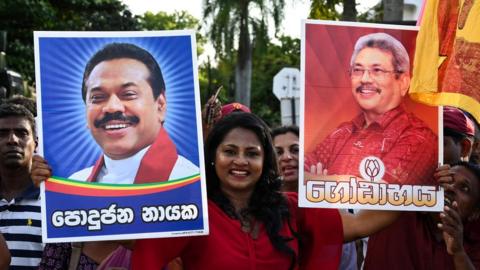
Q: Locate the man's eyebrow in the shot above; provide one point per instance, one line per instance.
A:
(372, 65)
(14, 129)
(128, 84)
(96, 89)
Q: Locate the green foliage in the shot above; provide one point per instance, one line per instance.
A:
(231, 23)
(324, 9)
(179, 20)
(225, 19)
(165, 21)
(211, 78)
(374, 15)
(267, 63)
(21, 17)
(327, 10)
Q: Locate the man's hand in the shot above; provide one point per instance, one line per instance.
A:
(443, 175)
(41, 171)
(317, 169)
(313, 171)
(452, 229)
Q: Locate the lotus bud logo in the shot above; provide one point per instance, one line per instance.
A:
(372, 168)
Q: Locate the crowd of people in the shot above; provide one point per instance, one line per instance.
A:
(255, 222)
(252, 178)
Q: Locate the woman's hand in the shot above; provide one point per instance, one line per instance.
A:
(41, 171)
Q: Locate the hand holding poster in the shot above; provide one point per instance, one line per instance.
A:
(366, 145)
(119, 124)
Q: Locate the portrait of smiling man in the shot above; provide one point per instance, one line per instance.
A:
(124, 94)
(379, 75)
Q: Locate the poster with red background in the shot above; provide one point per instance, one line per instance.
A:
(328, 102)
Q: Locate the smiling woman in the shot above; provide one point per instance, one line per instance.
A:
(252, 224)
(285, 140)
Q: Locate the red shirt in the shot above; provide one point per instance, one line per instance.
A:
(405, 144)
(410, 243)
(228, 247)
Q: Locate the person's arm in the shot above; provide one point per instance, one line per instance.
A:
(366, 222)
(5, 257)
(452, 228)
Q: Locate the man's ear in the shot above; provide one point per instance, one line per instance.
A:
(466, 149)
(36, 144)
(404, 83)
(161, 103)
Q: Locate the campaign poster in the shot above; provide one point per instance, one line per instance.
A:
(119, 122)
(364, 143)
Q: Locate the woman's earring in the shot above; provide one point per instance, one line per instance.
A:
(213, 163)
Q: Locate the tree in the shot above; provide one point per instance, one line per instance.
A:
(232, 22)
(178, 20)
(20, 18)
(349, 10)
(268, 60)
(267, 64)
(324, 9)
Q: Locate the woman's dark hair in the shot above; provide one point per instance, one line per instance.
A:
(267, 204)
(284, 130)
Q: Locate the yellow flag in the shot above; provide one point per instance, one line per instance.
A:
(446, 67)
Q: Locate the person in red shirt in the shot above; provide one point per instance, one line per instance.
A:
(380, 77)
(252, 225)
(425, 241)
(418, 242)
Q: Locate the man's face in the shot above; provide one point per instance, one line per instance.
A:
(379, 89)
(452, 150)
(465, 191)
(17, 142)
(122, 113)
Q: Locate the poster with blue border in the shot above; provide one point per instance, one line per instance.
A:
(127, 162)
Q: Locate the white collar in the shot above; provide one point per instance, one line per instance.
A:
(121, 171)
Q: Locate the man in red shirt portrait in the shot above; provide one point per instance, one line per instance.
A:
(384, 130)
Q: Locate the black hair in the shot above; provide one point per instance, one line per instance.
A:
(456, 136)
(125, 50)
(26, 102)
(267, 204)
(284, 130)
(17, 110)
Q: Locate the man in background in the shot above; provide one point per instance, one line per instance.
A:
(20, 202)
